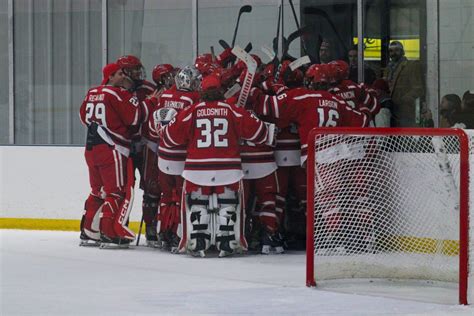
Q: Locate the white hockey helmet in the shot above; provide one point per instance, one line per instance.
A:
(188, 79)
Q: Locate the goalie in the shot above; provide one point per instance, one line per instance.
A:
(211, 130)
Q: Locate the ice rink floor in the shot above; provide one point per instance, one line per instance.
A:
(47, 273)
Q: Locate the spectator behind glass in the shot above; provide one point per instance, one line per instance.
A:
(326, 52)
(369, 74)
(406, 86)
(450, 109)
(467, 109)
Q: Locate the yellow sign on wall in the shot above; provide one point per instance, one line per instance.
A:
(373, 48)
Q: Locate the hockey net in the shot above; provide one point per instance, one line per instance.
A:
(390, 204)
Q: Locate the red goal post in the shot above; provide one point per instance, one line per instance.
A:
(389, 203)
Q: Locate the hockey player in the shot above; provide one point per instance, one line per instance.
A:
(291, 176)
(358, 96)
(308, 107)
(110, 113)
(171, 160)
(135, 75)
(260, 186)
(211, 131)
(313, 107)
(163, 76)
(142, 149)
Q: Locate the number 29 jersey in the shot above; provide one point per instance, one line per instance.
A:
(212, 133)
(115, 111)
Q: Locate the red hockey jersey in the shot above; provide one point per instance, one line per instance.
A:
(309, 109)
(116, 111)
(144, 89)
(211, 132)
(258, 161)
(357, 96)
(171, 160)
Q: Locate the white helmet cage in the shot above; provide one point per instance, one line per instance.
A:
(188, 79)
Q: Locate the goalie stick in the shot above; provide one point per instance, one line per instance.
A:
(251, 68)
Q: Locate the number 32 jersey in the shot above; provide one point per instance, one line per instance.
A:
(212, 133)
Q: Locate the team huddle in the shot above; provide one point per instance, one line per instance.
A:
(220, 146)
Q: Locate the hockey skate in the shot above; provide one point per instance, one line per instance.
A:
(152, 237)
(197, 247)
(109, 238)
(88, 242)
(225, 250)
(163, 241)
(173, 242)
(254, 237)
(114, 243)
(272, 243)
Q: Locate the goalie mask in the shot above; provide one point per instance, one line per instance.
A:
(188, 79)
(132, 67)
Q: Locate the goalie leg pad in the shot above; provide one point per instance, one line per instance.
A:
(198, 219)
(229, 235)
(121, 221)
(91, 218)
(115, 213)
(110, 208)
(225, 239)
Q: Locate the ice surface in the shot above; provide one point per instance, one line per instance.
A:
(47, 273)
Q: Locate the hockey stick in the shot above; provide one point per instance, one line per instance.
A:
(298, 27)
(276, 45)
(300, 62)
(268, 51)
(319, 12)
(248, 48)
(224, 44)
(232, 90)
(213, 54)
(246, 8)
(251, 68)
(295, 64)
(140, 231)
(296, 34)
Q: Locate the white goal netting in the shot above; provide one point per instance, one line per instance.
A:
(390, 206)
